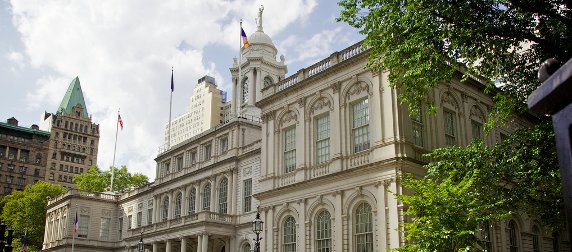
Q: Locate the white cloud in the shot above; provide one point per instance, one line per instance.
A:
(313, 49)
(122, 52)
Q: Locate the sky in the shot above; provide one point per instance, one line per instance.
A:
(123, 51)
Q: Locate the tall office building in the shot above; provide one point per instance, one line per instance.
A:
(74, 138)
(23, 153)
(205, 108)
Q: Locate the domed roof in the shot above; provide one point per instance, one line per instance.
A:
(259, 37)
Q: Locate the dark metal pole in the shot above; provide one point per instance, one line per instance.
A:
(2, 237)
(9, 247)
(553, 98)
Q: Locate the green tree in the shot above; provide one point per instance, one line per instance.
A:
(423, 44)
(96, 180)
(27, 210)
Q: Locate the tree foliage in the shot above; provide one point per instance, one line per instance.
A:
(96, 180)
(469, 185)
(503, 42)
(27, 210)
(422, 42)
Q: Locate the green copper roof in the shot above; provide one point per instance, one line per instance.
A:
(73, 96)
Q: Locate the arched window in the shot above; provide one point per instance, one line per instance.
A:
(324, 232)
(512, 232)
(289, 236)
(165, 212)
(222, 195)
(192, 199)
(246, 248)
(245, 91)
(363, 228)
(178, 205)
(207, 197)
(535, 239)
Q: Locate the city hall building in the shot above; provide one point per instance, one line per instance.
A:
(315, 153)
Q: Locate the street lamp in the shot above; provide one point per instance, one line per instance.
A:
(141, 245)
(257, 229)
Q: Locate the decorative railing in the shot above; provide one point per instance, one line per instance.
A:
(319, 67)
(418, 155)
(288, 82)
(84, 194)
(316, 68)
(358, 159)
(191, 217)
(319, 170)
(287, 179)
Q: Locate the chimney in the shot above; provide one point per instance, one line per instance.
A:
(35, 127)
(12, 121)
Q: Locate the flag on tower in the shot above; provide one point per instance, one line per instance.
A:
(244, 39)
(120, 121)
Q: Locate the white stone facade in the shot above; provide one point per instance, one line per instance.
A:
(321, 165)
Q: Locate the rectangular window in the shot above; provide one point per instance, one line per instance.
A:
(322, 139)
(360, 125)
(167, 167)
(247, 195)
(150, 215)
(193, 156)
(208, 151)
(224, 144)
(83, 226)
(417, 128)
(104, 229)
(139, 218)
(120, 231)
(179, 162)
(450, 128)
(9, 179)
(21, 181)
(129, 222)
(289, 150)
(477, 129)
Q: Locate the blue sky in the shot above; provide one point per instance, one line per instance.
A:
(123, 51)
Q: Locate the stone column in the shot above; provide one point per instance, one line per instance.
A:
(205, 243)
(155, 247)
(199, 243)
(337, 227)
(212, 196)
(226, 244)
(168, 246)
(239, 94)
(183, 244)
(233, 191)
(251, 87)
(232, 243)
(233, 96)
(171, 205)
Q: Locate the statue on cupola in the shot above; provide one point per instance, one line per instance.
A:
(259, 69)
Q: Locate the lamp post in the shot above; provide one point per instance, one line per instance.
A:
(6, 241)
(141, 245)
(257, 228)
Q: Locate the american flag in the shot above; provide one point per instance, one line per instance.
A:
(120, 121)
(75, 223)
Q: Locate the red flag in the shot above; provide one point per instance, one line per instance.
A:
(120, 121)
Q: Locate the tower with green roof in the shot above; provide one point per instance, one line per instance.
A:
(74, 138)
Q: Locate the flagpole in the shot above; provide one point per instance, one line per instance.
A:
(170, 108)
(25, 241)
(114, 150)
(239, 84)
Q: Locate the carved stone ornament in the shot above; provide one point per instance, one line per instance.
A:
(84, 210)
(476, 113)
(288, 117)
(358, 88)
(302, 102)
(268, 116)
(247, 171)
(105, 212)
(447, 98)
(335, 86)
(320, 104)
